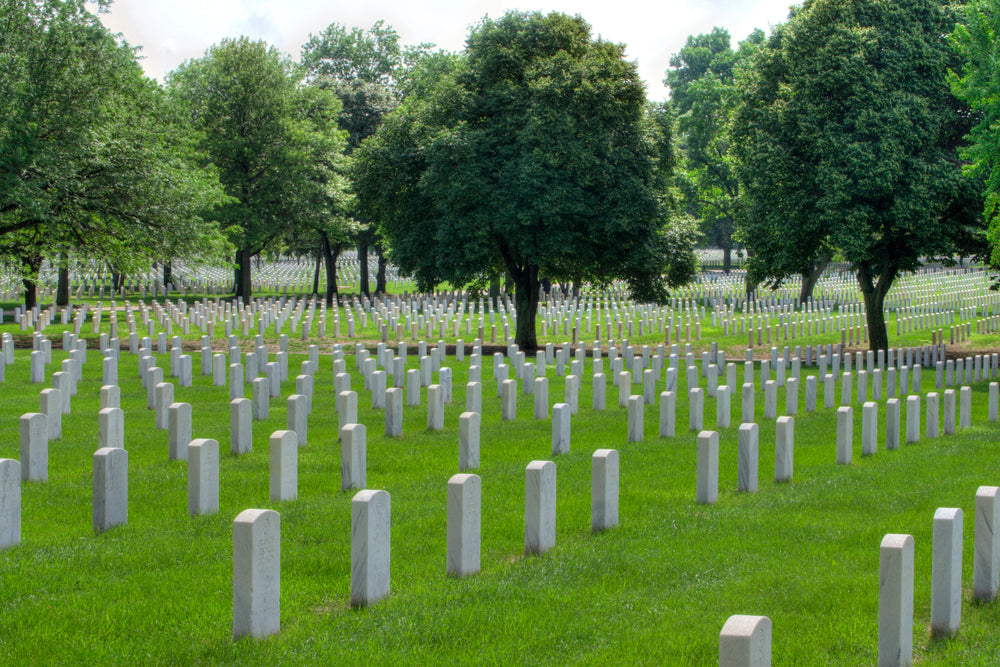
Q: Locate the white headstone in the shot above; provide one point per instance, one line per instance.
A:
(603, 490)
(256, 573)
(464, 524)
(539, 507)
(110, 488)
(370, 543)
(203, 476)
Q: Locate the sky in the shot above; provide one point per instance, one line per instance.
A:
(172, 31)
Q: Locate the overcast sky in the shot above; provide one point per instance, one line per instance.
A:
(171, 31)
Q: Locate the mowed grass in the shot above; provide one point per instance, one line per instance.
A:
(655, 590)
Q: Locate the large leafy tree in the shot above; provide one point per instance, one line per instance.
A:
(91, 156)
(846, 139)
(977, 82)
(273, 140)
(534, 153)
(702, 82)
(367, 70)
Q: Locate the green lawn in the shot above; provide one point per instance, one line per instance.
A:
(655, 590)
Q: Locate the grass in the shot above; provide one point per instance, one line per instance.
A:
(655, 590)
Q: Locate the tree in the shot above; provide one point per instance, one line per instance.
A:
(532, 154)
(271, 138)
(91, 159)
(845, 135)
(702, 82)
(978, 84)
(366, 69)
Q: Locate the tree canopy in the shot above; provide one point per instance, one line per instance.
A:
(273, 140)
(845, 135)
(534, 153)
(92, 156)
(978, 84)
(702, 81)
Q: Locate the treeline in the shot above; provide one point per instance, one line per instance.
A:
(859, 131)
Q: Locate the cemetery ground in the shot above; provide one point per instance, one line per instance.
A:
(656, 589)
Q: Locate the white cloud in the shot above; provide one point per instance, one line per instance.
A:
(171, 31)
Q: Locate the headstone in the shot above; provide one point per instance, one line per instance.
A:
(895, 600)
(353, 457)
(784, 449)
(965, 407)
(845, 434)
(770, 399)
(932, 413)
(599, 391)
(464, 524)
(869, 428)
(203, 476)
(946, 572)
(240, 426)
(283, 468)
(235, 381)
(603, 490)
(986, 560)
(912, 419)
(51, 406)
(539, 507)
(508, 401)
(347, 409)
(370, 542)
(747, 405)
(393, 412)
(707, 490)
(892, 424)
(10, 501)
(297, 418)
(110, 488)
(748, 454)
(34, 447)
(474, 397)
(696, 405)
(468, 440)
(435, 407)
(256, 573)
(261, 398)
(745, 641)
(668, 404)
(635, 419)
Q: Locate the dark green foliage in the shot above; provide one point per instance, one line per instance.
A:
(978, 84)
(534, 155)
(92, 156)
(274, 141)
(845, 137)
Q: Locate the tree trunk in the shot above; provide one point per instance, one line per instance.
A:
(727, 256)
(809, 280)
(526, 305)
(62, 286)
(495, 291)
(330, 254)
(31, 265)
(168, 273)
(243, 287)
(874, 294)
(319, 261)
(380, 274)
(363, 263)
